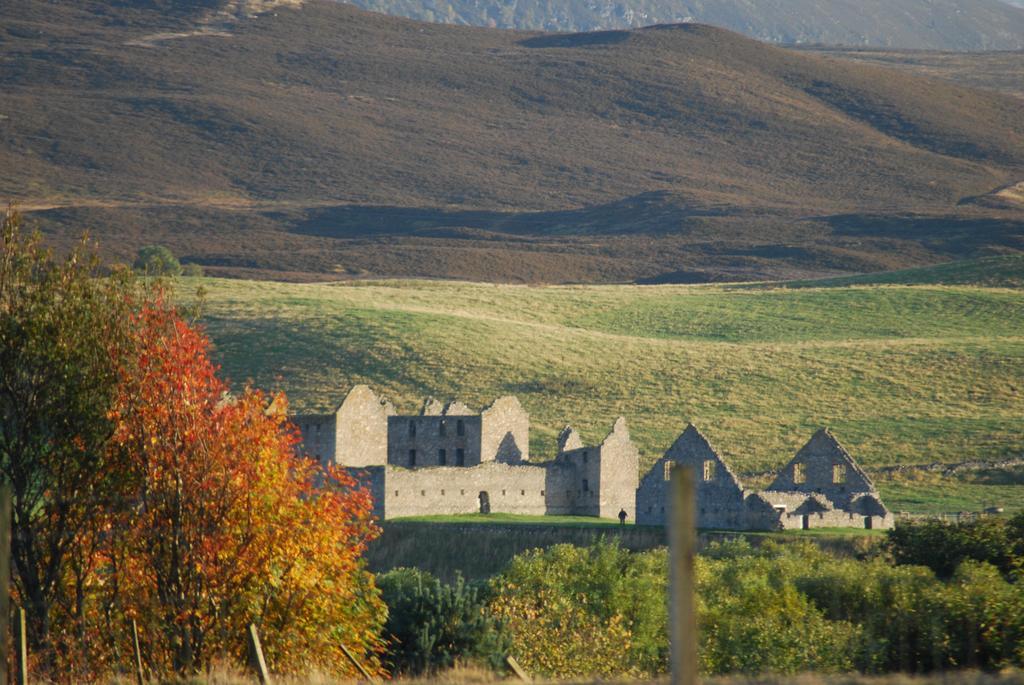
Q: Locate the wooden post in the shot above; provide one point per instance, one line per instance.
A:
(22, 649)
(5, 578)
(359, 667)
(682, 549)
(517, 669)
(139, 676)
(258, 663)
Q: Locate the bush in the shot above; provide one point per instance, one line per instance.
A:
(753, 618)
(157, 260)
(942, 546)
(575, 611)
(775, 608)
(432, 626)
(192, 270)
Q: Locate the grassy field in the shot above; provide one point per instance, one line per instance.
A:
(903, 374)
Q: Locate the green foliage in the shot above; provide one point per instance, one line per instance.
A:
(63, 334)
(432, 626)
(774, 608)
(575, 611)
(192, 270)
(753, 619)
(157, 260)
(943, 546)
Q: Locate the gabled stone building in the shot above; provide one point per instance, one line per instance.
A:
(821, 487)
(448, 459)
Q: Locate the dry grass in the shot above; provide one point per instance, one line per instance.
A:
(469, 675)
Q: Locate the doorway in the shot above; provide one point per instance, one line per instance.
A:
(485, 502)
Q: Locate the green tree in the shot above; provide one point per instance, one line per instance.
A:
(431, 625)
(157, 260)
(63, 334)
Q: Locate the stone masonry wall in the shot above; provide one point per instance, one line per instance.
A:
(720, 496)
(823, 466)
(318, 436)
(361, 433)
(428, 435)
(619, 475)
(373, 479)
(514, 489)
(505, 432)
(584, 465)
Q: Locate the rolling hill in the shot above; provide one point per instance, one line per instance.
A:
(904, 24)
(917, 374)
(322, 141)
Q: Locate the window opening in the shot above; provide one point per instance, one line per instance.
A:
(709, 469)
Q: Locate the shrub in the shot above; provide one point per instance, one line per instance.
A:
(192, 270)
(943, 546)
(432, 626)
(157, 260)
(585, 611)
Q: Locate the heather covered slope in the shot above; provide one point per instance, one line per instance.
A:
(325, 140)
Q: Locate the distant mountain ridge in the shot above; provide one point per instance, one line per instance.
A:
(902, 24)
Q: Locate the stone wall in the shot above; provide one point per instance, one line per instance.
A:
(619, 475)
(823, 466)
(720, 495)
(513, 489)
(361, 429)
(584, 464)
(505, 432)
(373, 478)
(318, 436)
(429, 435)
(836, 518)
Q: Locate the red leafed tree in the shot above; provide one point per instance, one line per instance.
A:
(223, 524)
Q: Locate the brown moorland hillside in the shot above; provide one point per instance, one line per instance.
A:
(324, 141)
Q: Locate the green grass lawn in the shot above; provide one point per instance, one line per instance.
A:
(902, 374)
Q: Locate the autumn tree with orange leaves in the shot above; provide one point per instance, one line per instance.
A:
(145, 490)
(226, 525)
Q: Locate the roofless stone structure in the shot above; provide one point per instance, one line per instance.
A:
(449, 459)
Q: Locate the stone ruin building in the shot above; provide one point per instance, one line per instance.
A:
(821, 487)
(449, 460)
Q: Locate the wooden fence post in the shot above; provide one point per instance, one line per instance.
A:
(359, 667)
(258, 663)
(139, 676)
(5, 578)
(517, 669)
(22, 649)
(682, 549)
